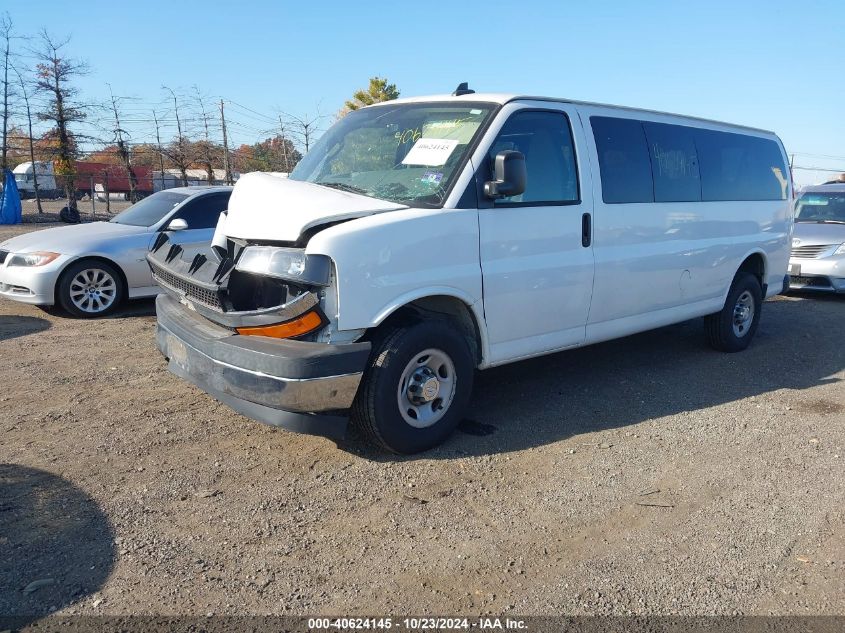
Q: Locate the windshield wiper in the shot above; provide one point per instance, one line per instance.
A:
(823, 221)
(342, 186)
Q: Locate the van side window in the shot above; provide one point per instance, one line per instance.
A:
(674, 162)
(740, 167)
(545, 139)
(624, 161)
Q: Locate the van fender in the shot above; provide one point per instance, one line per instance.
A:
(753, 251)
(475, 307)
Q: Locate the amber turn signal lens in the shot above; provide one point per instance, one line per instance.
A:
(308, 322)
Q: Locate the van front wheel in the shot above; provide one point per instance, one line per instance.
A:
(732, 329)
(416, 388)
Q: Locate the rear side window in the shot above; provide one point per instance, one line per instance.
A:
(203, 212)
(623, 160)
(674, 163)
(740, 167)
(546, 141)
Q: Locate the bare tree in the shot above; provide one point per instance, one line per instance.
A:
(304, 128)
(25, 95)
(54, 72)
(122, 149)
(178, 151)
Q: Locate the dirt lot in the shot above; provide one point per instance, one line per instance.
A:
(649, 475)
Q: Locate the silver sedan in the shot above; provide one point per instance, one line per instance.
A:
(817, 262)
(89, 269)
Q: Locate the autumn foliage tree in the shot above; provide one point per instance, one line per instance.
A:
(272, 154)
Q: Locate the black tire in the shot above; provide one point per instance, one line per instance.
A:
(69, 283)
(376, 410)
(719, 327)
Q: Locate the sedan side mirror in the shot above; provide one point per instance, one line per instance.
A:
(510, 174)
(177, 225)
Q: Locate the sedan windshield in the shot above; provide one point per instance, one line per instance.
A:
(404, 153)
(150, 210)
(821, 207)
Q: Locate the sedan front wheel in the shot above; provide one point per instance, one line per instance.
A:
(90, 288)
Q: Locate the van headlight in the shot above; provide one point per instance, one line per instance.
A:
(290, 264)
(37, 258)
(840, 250)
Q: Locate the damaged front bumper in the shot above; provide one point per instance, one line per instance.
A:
(302, 386)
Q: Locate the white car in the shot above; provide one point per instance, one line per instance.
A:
(422, 239)
(89, 269)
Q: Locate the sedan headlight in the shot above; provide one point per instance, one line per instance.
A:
(290, 264)
(840, 250)
(37, 258)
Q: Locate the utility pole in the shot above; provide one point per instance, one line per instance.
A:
(160, 154)
(7, 33)
(285, 144)
(226, 166)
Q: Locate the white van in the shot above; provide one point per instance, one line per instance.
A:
(422, 239)
(25, 174)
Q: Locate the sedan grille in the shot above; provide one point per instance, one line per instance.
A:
(811, 251)
(191, 291)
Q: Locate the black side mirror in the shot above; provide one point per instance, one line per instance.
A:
(510, 173)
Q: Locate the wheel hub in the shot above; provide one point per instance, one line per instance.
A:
(743, 314)
(93, 290)
(423, 386)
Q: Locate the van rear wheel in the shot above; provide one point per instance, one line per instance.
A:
(416, 388)
(732, 328)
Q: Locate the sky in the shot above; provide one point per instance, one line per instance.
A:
(776, 65)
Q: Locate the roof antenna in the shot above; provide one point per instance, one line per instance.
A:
(463, 89)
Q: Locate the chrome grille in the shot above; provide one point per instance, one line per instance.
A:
(191, 291)
(811, 251)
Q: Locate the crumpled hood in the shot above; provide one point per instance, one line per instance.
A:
(266, 207)
(74, 239)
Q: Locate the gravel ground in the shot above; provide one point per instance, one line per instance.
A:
(648, 475)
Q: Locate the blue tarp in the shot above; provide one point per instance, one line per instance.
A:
(10, 201)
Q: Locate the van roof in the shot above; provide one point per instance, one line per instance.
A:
(503, 98)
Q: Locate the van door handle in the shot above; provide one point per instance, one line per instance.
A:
(586, 230)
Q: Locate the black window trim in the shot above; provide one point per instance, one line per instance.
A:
(486, 203)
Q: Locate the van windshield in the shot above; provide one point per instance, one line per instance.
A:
(821, 207)
(405, 153)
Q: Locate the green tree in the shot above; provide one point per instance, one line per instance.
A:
(379, 90)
